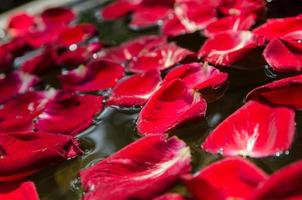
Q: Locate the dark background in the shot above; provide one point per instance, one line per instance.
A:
(6, 5)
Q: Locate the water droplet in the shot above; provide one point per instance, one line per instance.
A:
(220, 151)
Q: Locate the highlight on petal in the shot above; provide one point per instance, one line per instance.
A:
(20, 24)
(57, 16)
(68, 113)
(135, 90)
(230, 23)
(141, 170)
(18, 191)
(97, 75)
(242, 7)
(170, 106)
(284, 92)
(283, 184)
(170, 196)
(15, 83)
(163, 57)
(231, 178)
(36, 150)
(278, 27)
(118, 9)
(228, 47)
(198, 76)
(254, 130)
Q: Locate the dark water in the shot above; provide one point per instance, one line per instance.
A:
(115, 128)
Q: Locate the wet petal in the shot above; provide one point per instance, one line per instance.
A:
(18, 191)
(232, 178)
(170, 106)
(141, 170)
(131, 92)
(242, 7)
(20, 24)
(255, 130)
(57, 16)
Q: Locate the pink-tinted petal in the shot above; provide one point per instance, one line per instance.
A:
(163, 57)
(118, 9)
(228, 47)
(279, 27)
(141, 170)
(173, 104)
(230, 23)
(135, 90)
(22, 154)
(15, 83)
(170, 196)
(232, 178)
(97, 75)
(69, 114)
(18, 113)
(198, 76)
(57, 16)
(18, 191)
(255, 130)
(284, 92)
(242, 7)
(283, 184)
(20, 24)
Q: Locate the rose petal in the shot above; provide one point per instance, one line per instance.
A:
(173, 104)
(42, 38)
(69, 114)
(255, 130)
(170, 196)
(242, 7)
(36, 150)
(18, 191)
(198, 76)
(232, 178)
(118, 9)
(141, 170)
(20, 24)
(274, 92)
(57, 16)
(131, 92)
(97, 75)
(6, 60)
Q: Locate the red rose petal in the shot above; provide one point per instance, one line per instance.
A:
(37, 150)
(15, 83)
(283, 184)
(118, 9)
(232, 178)
(279, 27)
(171, 105)
(42, 38)
(97, 75)
(228, 47)
(18, 191)
(161, 58)
(230, 23)
(20, 24)
(6, 60)
(274, 92)
(131, 92)
(170, 196)
(69, 114)
(242, 7)
(198, 76)
(254, 130)
(57, 16)
(141, 170)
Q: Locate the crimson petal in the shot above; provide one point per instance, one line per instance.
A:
(131, 92)
(18, 191)
(6, 60)
(170, 196)
(231, 178)
(242, 7)
(20, 24)
(170, 106)
(274, 92)
(57, 16)
(118, 9)
(37, 150)
(141, 170)
(97, 75)
(255, 130)
(198, 76)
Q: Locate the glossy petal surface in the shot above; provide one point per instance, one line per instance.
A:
(20, 24)
(18, 191)
(242, 7)
(57, 16)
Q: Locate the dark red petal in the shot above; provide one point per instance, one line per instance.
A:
(279, 27)
(18, 191)
(274, 92)
(6, 60)
(141, 170)
(69, 114)
(57, 16)
(283, 184)
(163, 57)
(198, 76)
(15, 83)
(131, 92)
(20, 24)
(170, 196)
(36, 150)
(118, 9)
(228, 47)
(173, 104)
(230, 23)
(231, 178)
(97, 75)
(42, 38)
(255, 130)
(242, 7)
(18, 113)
